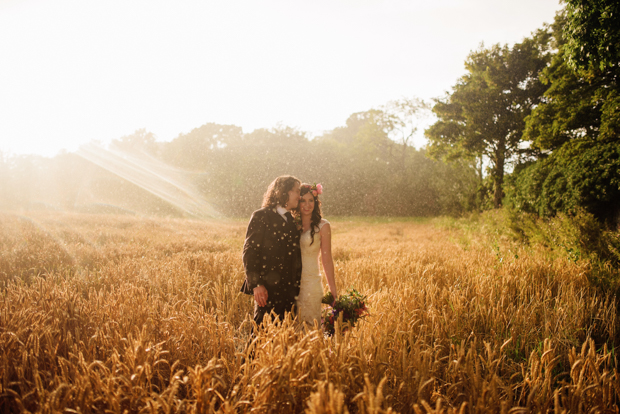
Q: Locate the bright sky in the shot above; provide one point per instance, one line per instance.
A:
(73, 71)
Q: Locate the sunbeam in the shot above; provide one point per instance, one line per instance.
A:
(156, 177)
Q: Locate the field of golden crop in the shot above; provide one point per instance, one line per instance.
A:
(127, 314)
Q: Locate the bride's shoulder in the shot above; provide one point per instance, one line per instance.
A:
(322, 223)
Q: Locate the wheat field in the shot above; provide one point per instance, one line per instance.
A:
(132, 314)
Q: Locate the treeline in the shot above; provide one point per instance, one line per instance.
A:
(367, 167)
(544, 115)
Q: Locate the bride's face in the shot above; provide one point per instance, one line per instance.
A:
(306, 204)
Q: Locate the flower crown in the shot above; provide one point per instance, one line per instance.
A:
(315, 189)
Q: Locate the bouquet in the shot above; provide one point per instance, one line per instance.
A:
(351, 306)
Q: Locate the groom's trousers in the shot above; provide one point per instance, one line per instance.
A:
(280, 309)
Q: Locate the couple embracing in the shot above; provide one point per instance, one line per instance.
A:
(281, 252)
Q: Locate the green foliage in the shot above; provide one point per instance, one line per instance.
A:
(578, 125)
(485, 113)
(582, 104)
(581, 174)
(364, 171)
(570, 110)
(610, 111)
(593, 33)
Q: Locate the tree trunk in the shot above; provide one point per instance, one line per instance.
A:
(498, 174)
(481, 189)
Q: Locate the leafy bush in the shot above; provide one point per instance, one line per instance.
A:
(581, 174)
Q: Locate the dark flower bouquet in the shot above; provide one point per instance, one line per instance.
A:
(351, 305)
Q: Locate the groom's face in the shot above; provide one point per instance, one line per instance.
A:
(293, 197)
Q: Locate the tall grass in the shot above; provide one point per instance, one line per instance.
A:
(103, 313)
(577, 237)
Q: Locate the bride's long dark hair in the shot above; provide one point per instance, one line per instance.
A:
(316, 213)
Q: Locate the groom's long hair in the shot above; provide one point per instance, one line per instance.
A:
(277, 192)
(317, 215)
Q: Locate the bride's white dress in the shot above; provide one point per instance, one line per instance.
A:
(311, 286)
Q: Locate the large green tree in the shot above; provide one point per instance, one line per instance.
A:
(577, 126)
(582, 104)
(484, 115)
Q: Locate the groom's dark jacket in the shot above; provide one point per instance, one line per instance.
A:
(272, 257)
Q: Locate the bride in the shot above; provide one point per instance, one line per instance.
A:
(315, 239)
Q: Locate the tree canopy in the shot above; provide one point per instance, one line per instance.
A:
(485, 113)
(576, 126)
(575, 104)
(592, 33)
(367, 167)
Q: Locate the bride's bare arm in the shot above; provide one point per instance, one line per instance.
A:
(326, 258)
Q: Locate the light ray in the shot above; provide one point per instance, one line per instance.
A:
(158, 178)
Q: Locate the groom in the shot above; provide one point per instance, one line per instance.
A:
(271, 253)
